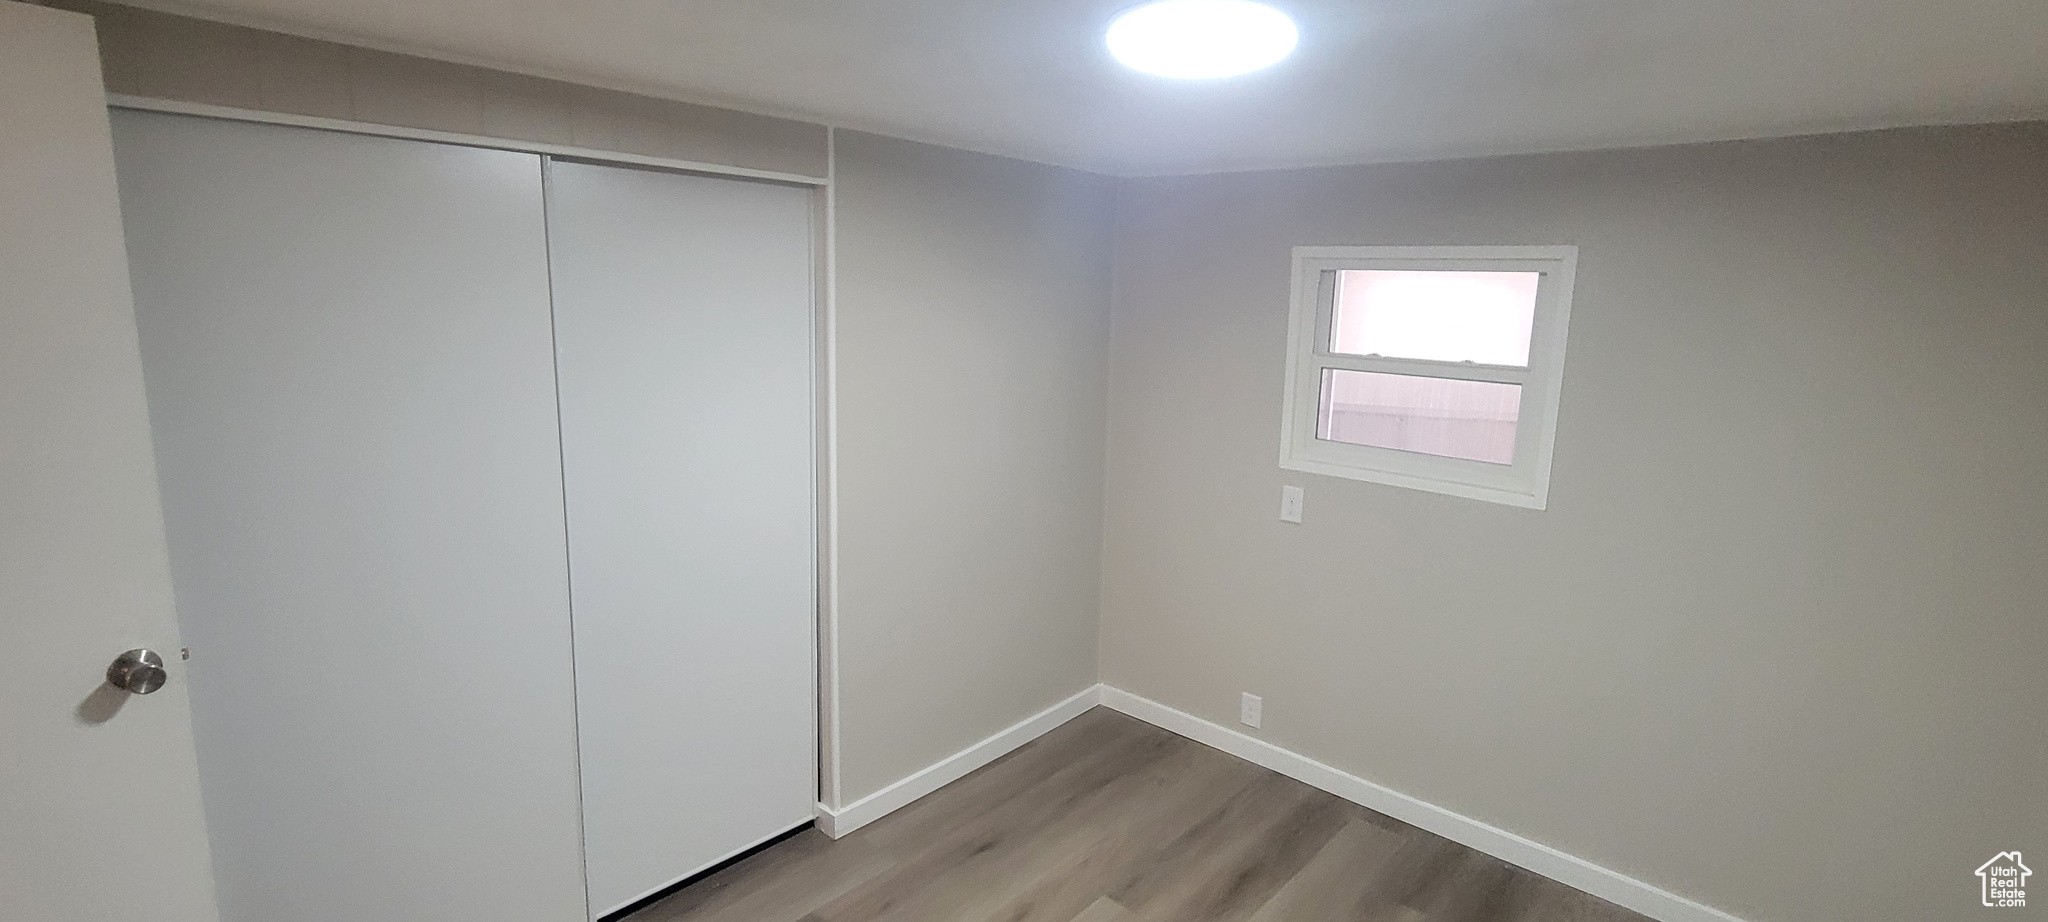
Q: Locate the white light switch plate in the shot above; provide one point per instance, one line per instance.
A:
(1249, 710)
(1290, 504)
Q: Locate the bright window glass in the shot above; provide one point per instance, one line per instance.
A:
(1480, 317)
(1447, 417)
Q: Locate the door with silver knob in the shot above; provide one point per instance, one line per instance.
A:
(83, 573)
(138, 671)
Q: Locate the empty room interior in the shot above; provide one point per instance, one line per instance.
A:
(1079, 461)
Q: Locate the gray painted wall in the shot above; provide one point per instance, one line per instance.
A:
(973, 311)
(1776, 645)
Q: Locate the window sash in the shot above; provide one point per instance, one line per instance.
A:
(1525, 481)
(1326, 309)
(1423, 368)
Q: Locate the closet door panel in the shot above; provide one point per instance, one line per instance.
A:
(683, 329)
(348, 357)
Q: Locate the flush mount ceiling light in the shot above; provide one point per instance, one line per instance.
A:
(1201, 39)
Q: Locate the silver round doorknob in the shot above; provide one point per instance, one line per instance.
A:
(138, 671)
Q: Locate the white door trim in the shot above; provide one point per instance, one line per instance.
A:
(208, 110)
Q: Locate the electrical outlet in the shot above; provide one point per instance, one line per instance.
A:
(1249, 708)
(1290, 504)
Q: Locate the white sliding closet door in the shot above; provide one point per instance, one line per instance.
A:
(683, 334)
(347, 351)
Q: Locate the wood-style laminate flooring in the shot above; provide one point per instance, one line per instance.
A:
(1109, 819)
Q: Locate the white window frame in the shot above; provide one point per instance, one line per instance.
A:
(1526, 481)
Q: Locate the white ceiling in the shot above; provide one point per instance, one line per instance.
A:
(1372, 80)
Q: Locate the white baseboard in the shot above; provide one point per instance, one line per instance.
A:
(836, 823)
(1612, 886)
(1609, 885)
